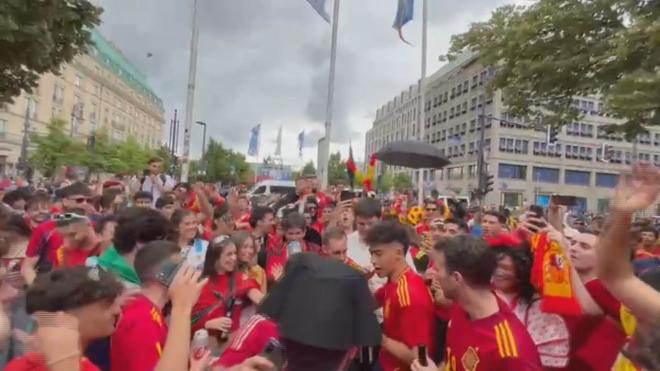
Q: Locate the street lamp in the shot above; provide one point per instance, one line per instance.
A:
(203, 144)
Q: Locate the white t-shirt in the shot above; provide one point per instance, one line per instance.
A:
(148, 186)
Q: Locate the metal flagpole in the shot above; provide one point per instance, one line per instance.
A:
(422, 101)
(190, 99)
(323, 167)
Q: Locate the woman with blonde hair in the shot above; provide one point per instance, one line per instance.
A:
(247, 258)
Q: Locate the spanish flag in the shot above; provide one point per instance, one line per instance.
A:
(552, 276)
(371, 171)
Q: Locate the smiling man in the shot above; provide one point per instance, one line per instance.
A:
(408, 311)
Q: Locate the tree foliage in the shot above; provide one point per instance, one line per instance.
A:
(309, 168)
(55, 149)
(226, 165)
(549, 52)
(36, 36)
(402, 181)
(337, 169)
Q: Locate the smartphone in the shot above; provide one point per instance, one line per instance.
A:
(168, 271)
(346, 195)
(274, 352)
(537, 212)
(564, 200)
(421, 355)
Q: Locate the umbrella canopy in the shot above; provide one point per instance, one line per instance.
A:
(413, 154)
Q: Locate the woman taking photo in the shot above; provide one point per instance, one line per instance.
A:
(184, 232)
(227, 292)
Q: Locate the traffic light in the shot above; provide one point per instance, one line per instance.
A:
(486, 183)
(607, 152)
(551, 134)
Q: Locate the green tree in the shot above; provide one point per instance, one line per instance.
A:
(55, 149)
(226, 165)
(386, 183)
(308, 168)
(131, 157)
(36, 36)
(337, 170)
(549, 52)
(402, 181)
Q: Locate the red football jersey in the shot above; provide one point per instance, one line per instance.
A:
(139, 339)
(596, 341)
(67, 257)
(249, 341)
(37, 362)
(408, 316)
(45, 236)
(422, 228)
(499, 342)
(214, 296)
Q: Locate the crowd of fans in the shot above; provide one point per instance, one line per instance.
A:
(123, 276)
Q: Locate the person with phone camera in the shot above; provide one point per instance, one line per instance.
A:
(227, 292)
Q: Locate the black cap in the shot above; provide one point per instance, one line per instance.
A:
(323, 303)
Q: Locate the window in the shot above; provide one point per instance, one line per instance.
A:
(576, 177)
(472, 170)
(58, 94)
(56, 112)
(512, 199)
(33, 107)
(455, 173)
(606, 180)
(546, 175)
(512, 145)
(3, 128)
(95, 89)
(466, 84)
(510, 171)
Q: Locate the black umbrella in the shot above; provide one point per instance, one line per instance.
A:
(412, 154)
(323, 303)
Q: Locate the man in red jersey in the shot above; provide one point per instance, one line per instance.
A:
(138, 342)
(408, 311)
(483, 333)
(79, 240)
(82, 302)
(41, 251)
(430, 213)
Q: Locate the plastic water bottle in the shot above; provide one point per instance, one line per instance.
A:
(200, 343)
(294, 247)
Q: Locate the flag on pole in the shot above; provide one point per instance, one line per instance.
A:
(351, 169)
(253, 148)
(278, 148)
(319, 6)
(301, 141)
(404, 14)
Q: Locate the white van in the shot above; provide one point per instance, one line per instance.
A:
(268, 187)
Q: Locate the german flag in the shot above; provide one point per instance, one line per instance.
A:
(351, 169)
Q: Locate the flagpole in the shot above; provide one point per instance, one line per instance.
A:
(190, 98)
(323, 167)
(422, 100)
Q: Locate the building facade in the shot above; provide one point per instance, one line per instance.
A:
(526, 169)
(97, 91)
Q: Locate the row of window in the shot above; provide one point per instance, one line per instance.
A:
(455, 133)
(461, 88)
(551, 175)
(457, 111)
(458, 150)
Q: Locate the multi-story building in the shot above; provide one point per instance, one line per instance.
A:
(100, 90)
(525, 168)
(395, 120)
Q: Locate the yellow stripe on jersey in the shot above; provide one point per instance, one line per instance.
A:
(402, 292)
(511, 340)
(500, 340)
(159, 349)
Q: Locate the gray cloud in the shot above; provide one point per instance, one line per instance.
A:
(266, 61)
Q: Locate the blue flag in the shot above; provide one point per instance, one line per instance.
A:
(404, 14)
(319, 6)
(253, 149)
(301, 142)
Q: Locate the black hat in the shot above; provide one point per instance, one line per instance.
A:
(323, 303)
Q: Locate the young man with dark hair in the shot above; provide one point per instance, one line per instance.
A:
(141, 332)
(135, 227)
(367, 214)
(155, 181)
(262, 221)
(408, 310)
(648, 244)
(294, 227)
(80, 241)
(111, 201)
(86, 297)
(335, 245)
(142, 199)
(16, 200)
(166, 205)
(456, 227)
(492, 223)
(41, 251)
(483, 333)
(37, 210)
(105, 230)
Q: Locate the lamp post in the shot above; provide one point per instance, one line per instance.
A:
(203, 145)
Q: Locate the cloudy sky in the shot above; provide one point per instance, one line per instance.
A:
(266, 61)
